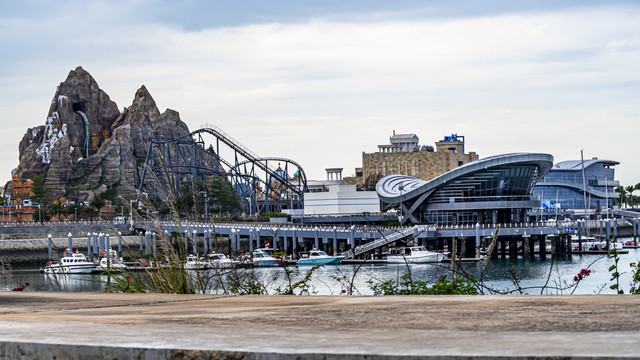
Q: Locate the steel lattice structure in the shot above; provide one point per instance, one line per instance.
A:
(262, 186)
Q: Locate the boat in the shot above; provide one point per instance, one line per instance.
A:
(597, 246)
(263, 257)
(71, 263)
(413, 255)
(318, 257)
(218, 261)
(194, 263)
(111, 262)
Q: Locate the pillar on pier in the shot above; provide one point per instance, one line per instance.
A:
(635, 231)
(352, 237)
(251, 241)
(615, 228)
(542, 246)
(513, 249)
(316, 243)
(526, 249)
(470, 248)
(569, 245)
(477, 255)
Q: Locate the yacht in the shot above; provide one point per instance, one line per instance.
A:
(71, 263)
(194, 263)
(263, 257)
(218, 261)
(111, 262)
(318, 257)
(413, 255)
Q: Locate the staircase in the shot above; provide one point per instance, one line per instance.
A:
(378, 243)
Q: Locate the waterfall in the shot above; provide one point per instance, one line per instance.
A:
(86, 138)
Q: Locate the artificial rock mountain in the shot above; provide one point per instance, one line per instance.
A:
(87, 145)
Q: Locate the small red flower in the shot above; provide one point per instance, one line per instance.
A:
(344, 291)
(27, 283)
(279, 263)
(129, 276)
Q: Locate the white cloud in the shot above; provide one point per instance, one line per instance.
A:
(321, 92)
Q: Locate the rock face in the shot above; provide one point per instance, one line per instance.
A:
(86, 145)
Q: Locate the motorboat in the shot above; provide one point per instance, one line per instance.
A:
(194, 263)
(318, 257)
(262, 257)
(218, 261)
(598, 246)
(71, 263)
(111, 261)
(413, 255)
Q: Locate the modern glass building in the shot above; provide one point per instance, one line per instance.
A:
(497, 189)
(565, 186)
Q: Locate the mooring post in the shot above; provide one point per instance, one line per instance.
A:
(155, 248)
(147, 245)
(206, 243)
(108, 246)
(119, 242)
(250, 241)
(569, 246)
(317, 242)
(141, 247)
(89, 252)
(195, 241)
(96, 249)
(186, 242)
(294, 247)
(615, 228)
(477, 240)
(335, 241)
(49, 245)
(608, 232)
(580, 230)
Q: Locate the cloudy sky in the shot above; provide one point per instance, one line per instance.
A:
(322, 81)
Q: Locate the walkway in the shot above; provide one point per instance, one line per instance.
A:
(148, 326)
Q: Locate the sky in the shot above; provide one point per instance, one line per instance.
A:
(320, 82)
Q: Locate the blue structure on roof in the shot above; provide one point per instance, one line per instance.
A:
(564, 186)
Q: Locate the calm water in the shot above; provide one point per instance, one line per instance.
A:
(333, 279)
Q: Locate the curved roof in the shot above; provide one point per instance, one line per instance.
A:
(398, 188)
(576, 165)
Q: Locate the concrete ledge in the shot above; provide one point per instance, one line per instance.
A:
(149, 326)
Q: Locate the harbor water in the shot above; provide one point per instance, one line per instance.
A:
(512, 276)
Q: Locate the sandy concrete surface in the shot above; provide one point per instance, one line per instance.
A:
(149, 326)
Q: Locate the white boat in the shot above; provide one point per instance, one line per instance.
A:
(194, 263)
(318, 257)
(218, 261)
(413, 255)
(263, 257)
(71, 263)
(592, 245)
(111, 262)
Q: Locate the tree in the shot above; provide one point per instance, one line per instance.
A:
(41, 194)
(630, 189)
(222, 197)
(99, 200)
(623, 195)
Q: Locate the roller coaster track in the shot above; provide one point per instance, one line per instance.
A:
(234, 171)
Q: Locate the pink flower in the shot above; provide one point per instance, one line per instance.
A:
(344, 291)
(129, 276)
(26, 284)
(279, 263)
(575, 278)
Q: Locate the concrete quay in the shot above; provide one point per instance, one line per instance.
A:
(150, 326)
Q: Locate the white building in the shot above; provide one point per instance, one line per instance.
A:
(340, 199)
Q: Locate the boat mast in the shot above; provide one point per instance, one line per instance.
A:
(584, 190)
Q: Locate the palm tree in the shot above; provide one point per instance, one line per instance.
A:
(630, 189)
(623, 195)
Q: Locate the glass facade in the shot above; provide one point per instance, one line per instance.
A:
(564, 186)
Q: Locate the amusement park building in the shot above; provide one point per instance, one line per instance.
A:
(564, 187)
(406, 157)
(332, 197)
(497, 189)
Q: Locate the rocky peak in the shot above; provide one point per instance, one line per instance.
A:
(86, 141)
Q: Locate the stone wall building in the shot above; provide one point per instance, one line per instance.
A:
(405, 157)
